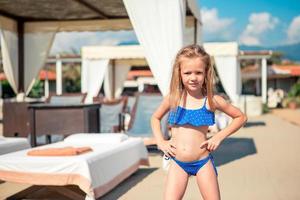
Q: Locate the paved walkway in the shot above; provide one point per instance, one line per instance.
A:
(290, 115)
(259, 162)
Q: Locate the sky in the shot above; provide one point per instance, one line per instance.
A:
(260, 22)
(249, 22)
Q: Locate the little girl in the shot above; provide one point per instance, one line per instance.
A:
(191, 103)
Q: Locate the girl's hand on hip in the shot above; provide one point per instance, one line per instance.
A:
(167, 148)
(211, 144)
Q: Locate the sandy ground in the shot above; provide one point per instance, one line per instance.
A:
(259, 162)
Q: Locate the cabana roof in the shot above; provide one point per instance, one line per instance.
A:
(137, 51)
(113, 52)
(64, 10)
(28, 28)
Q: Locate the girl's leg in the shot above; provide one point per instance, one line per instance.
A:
(176, 182)
(208, 182)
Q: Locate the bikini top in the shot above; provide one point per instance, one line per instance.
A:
(195, 117)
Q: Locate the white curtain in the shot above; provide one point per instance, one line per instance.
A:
(121, 71)
(195, 9)
(36, 50)
(9, 49)
(159, 26)
(229, 73)
(93, 72)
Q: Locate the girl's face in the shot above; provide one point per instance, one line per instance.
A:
(192, 73)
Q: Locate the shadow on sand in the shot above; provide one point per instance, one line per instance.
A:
(130, 182)
(251, 124)
(232, 149)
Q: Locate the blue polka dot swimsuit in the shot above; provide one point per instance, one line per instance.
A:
(194, 117)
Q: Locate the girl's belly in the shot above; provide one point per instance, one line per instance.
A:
(187, 140)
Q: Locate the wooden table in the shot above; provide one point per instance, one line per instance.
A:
(16, 118)
(48, 119)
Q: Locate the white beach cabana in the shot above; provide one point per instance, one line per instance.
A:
(228, 67)
(110, 64)
(27, 31)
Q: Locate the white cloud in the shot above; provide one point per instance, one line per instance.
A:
(293, 32)
(66, 41)
(259, 23)
(213, 24)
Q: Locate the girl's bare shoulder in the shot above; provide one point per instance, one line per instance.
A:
(223, 104)
(220, 101)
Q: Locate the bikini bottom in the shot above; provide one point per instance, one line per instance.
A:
(191, 168)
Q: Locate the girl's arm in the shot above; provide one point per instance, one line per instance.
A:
(239, 119)
(162, 144)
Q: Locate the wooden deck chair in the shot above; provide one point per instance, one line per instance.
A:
(146, 104)
(111, 114)
(67, 99)
(64, 99)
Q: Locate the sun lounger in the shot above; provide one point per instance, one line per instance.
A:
(113, 158)
(11, 144)
(110, 114)
(145, 106)
(67, 99)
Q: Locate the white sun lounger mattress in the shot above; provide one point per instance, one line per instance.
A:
(95, 172)
(11, 144)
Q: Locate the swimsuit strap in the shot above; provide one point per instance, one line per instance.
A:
(204, 105)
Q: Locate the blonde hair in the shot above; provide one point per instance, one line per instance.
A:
(176, 85)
